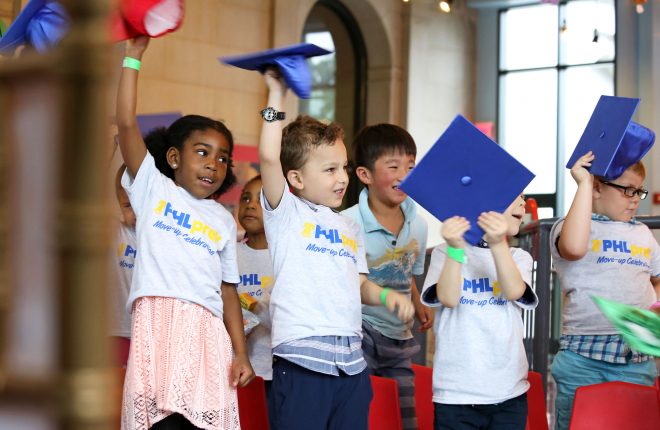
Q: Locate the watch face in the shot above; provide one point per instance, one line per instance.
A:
(268, 114)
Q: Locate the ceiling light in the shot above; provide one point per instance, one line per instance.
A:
(445, 5)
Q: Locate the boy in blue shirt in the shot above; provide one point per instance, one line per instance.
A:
(395, 242)
(319, 377)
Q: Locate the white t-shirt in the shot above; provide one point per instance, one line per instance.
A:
(479, 352)
(618, 265)
(125, 253)
(187, 245)
(318, 255)
(256, 273)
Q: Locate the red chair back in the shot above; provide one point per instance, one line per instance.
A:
(252, 409)
(537, 417)
(615, 405)
(424, 396)
(384, 411)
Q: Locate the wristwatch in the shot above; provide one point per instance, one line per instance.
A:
(269, 115)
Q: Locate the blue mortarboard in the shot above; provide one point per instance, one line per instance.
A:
(42, 23)
(465, 173)
(148, 122)
(291, 60)
(616, 141)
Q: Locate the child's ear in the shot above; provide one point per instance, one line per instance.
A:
(363, 174)
(294, 177)
(173, 158)
(596, 189)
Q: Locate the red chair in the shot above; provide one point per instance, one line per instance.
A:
(615, 405)
(537, 416)
(252, 409)
(424, 396)
(384, 411)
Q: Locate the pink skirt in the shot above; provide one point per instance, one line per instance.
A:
(179, 362)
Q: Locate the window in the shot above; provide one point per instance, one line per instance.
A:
(321, 103)
(554, 64)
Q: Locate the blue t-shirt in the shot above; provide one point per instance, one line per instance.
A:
(392, 260)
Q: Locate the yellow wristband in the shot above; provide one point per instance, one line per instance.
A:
(132, 63)
(383, 296)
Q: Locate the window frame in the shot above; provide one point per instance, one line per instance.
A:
(552, 200)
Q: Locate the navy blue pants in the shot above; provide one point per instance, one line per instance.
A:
(508, 415)
(305, 400)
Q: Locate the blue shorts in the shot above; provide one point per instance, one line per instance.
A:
(305, 400)
(571, 370)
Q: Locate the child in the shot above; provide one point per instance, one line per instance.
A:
(181, 373)
(319, 377)
(480, 367)
(599, 249)
(120, 319)
(395, 242)
(255, 270)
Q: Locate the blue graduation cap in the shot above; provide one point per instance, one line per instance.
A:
(291, 60)
(464, 174)
(148, 122)
(616, 141)
(42, 23)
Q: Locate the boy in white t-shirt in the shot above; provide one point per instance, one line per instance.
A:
(480, 367)
(319, 376)
(478, 284)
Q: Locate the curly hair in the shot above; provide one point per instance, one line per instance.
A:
(161, 139)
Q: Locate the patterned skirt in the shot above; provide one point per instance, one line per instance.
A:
(179, 362)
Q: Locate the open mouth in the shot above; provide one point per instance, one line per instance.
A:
(340, 192)
(206, 180)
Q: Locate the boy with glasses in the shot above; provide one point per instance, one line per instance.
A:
(599, 249)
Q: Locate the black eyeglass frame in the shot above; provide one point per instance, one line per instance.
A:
(641, 192)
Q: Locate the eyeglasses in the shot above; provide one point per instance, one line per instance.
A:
(629, 191)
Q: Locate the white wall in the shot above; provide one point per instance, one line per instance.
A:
(441, 78)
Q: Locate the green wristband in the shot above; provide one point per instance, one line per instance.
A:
(132, 63)
(456, 254)
(383, 296)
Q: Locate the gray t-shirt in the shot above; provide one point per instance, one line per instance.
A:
(256, 272)
(479, 352)
(618, 266)
(318, 255)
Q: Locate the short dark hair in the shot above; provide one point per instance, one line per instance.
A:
(303, 135)
(161, 139)
(372, 141)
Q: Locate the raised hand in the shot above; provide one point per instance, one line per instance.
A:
(579, 170)
(453, 230)
(135, 47)
(495, 226)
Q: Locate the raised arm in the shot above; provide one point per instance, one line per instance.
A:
(508, 276)
(270, 142)
(574, 238)
(450, 282)
(131, 144)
